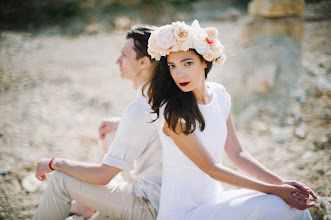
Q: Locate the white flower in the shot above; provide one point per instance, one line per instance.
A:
(218, 48)
(188, 44)
(221, 59)
(200, 43)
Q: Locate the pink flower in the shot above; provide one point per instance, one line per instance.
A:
(165, 38)
(208, 55)
(152, 49)
(177, 46)
(212, 33)
(182, 32)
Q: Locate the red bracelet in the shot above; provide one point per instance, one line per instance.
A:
(50, 163)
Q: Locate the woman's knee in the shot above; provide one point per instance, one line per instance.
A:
(277, 204)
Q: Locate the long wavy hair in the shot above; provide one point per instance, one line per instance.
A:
(179, 105)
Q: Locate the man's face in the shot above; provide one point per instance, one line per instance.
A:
(129, 65)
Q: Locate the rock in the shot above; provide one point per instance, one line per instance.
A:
(92, 29)
(300, 132)
(263, 78)
(307, 154)
(282, 134)
(325, 63)
(5, 171)
(31, 184)
(122, 23)
(276, 8)
(75, 217)
(258, 126)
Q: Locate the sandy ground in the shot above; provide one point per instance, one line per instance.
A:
(54, 91)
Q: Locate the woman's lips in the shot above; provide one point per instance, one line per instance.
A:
(184, 83)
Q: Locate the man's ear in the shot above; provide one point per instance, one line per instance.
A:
(145, 61)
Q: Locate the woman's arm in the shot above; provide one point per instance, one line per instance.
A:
(247, 163)
(196, 152)
(99, 174)
(244, 160)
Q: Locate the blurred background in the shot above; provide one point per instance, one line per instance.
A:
(58, 80)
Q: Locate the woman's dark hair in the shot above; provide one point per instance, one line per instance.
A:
(179, 105)
(140, 35)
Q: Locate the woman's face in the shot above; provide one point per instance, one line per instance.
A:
(187, 70)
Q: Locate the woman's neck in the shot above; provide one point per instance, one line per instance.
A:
(202, 94)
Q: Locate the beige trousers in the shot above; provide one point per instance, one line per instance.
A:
(117, 199)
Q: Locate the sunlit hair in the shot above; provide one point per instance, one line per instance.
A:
(140, 35)
(180, 105)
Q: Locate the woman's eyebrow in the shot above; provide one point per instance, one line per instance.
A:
(181, 60)
(186, 60)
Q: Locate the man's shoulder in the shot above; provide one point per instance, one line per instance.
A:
(138, 107)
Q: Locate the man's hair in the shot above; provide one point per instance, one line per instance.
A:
(140, 35)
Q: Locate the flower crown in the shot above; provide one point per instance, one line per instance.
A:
(181, 37)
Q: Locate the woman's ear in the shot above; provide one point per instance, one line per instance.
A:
(204, 64)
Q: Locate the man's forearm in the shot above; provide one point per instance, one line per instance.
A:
(93, 173)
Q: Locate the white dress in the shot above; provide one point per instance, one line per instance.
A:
(189, 193)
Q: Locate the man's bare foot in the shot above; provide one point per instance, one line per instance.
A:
(81, 210)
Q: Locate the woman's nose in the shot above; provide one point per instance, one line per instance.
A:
(181, 73)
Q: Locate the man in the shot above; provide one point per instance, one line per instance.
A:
(136, 149)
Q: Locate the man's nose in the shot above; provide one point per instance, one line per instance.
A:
(118, 61)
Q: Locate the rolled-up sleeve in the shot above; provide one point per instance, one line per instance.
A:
(131, 140)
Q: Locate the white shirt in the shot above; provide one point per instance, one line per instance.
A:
(137, 150)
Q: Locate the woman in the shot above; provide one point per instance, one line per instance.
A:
(195, 126)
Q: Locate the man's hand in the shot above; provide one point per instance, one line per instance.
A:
(108, 125)
(43, 168)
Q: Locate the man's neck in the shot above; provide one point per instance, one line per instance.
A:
(141, 77)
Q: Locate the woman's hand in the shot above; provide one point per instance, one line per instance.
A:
(108, 125)
(43, 168)
(302, 187)
(293, 196)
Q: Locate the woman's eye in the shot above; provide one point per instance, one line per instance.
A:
(188, 63)
(171, 66)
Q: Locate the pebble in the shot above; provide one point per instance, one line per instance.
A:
(282, 134)
(300, 132)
